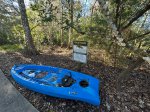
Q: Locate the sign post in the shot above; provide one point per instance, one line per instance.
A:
(80, 53)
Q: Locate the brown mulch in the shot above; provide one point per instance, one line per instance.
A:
(134, 95)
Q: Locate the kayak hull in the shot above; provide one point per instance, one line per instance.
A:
(49, 86)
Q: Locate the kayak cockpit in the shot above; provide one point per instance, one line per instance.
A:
(48, 78)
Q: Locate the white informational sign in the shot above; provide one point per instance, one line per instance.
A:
(80, 51)
(80, 58)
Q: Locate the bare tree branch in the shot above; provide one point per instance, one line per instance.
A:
(137, 15)
(139, 37)
(117, 11)
(35, 26)
(77, 30)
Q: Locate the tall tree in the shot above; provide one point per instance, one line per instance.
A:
(71, 2)
(62, 30)
(118, 34)
(28, 37)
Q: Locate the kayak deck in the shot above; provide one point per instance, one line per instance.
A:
(58, 82)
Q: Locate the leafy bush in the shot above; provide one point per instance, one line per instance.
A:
(10, 48)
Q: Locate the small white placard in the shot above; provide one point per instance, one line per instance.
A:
(80, 49)
(79, 57)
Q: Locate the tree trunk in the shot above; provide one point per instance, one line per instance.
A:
(71, 19)
(28, 37)
(61, 34)
(62, 30)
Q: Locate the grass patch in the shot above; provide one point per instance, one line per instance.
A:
(10, 48)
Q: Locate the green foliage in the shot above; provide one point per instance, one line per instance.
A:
(50, 23)
(45, 10)
(8, 17)
(10, 48)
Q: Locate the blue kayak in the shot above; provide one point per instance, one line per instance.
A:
(58, 82)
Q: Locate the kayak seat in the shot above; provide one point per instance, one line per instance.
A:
(33, 74)
(53, 79)
(41, 74)
(67, 81)
(23, 75)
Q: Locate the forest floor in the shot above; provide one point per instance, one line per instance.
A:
(134, 95)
